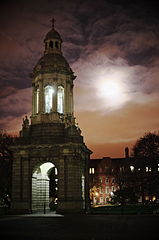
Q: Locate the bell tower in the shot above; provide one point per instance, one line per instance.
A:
(50, 158)
(52, 84)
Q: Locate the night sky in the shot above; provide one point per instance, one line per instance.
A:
(113, 48)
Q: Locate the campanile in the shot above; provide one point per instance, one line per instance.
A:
(50, 165)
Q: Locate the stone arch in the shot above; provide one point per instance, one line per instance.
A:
(48, 92)
(56, 44)
(60, 99)
(44, 186)
(51, 44)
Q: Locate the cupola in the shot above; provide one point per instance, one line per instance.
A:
(52, 41)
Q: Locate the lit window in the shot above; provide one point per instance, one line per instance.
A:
(100, 179)
(60, 99)
(83, 187)
(147, 169)
(48, 98)
(101, 190)
(91, 171)
(132, 168)
(158, 167)
(154, 198)
(121, 169)
(107, 190)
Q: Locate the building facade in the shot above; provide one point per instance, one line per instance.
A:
(107, 175)
(50, 162)
(103, 179)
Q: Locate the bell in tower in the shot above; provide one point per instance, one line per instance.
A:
(50, 166)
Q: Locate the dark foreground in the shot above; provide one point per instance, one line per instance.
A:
(81, 227)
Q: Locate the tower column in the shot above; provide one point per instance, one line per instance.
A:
(33, 100)
(71, 98)
(67, 98)
(55, 97)
(41, 98)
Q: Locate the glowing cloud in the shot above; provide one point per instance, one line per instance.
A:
(112, 89)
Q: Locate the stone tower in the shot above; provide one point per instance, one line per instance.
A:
(50, 164)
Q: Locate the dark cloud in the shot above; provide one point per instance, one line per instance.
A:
(114, 41)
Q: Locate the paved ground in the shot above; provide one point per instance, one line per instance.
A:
(80, 227)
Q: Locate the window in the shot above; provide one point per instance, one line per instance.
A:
(107, 200)
(51, 44)
(60, 99)
(37, 101)
(56, 45)
(113, 180)
(101, 200)
(106, 180)
(100, 190)
(48, 98)
(91, 171)
(107, 190)
(132, 168)
(100, 179)
(83, 186)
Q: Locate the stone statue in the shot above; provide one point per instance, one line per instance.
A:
(26, 122)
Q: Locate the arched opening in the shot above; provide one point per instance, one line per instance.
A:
(56, 44)
(48, 98)
(60, 99)
(51, 44)
(45, 187)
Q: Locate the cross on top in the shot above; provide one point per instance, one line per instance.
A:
(53, 22)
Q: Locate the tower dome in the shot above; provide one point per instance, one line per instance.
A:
(53, 34)
(53, 41)
(52, 60)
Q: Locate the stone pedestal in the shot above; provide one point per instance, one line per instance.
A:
(70, 159)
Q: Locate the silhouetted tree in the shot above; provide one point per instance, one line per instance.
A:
(146, 149)
(146, 155)
(5, 163)
(123, 196)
